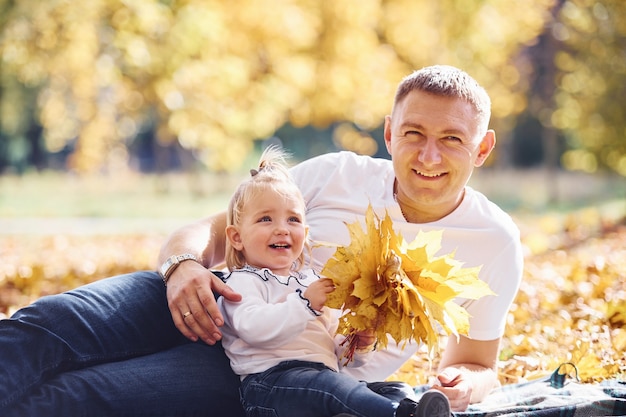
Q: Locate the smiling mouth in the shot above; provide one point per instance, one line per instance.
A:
(280, 246)
(429, 174)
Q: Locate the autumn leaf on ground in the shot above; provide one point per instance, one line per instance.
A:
(616, 314)
(399, 289)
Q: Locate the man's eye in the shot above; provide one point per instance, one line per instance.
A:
(454, 138)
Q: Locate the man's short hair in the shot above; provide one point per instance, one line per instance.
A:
(448, 81)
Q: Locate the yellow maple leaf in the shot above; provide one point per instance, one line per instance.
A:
(399, 289)
(616, 314)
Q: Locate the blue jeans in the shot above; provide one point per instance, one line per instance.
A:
(110, 349)
(309, 389)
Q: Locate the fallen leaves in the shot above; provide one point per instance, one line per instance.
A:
(32, 266)
(570, 308)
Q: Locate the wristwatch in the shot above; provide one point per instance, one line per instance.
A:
(172, 263)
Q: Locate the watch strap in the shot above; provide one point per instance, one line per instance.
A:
(170, 265)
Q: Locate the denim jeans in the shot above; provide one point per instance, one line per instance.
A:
(308, 389)
(110, 348)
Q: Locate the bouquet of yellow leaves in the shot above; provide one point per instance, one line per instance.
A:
(398, 288)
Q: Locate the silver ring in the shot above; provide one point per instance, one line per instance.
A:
(187, 314)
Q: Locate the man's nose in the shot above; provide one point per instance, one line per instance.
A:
(429, 153)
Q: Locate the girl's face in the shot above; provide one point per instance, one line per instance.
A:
(271, 232)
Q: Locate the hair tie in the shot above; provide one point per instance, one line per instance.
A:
(253, 172)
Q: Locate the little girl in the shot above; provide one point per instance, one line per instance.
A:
(280, 338)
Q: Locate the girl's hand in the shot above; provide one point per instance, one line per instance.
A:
(365, 340)
(317, 292)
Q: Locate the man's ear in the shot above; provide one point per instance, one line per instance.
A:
(234, 237)
(387, 133)
(485, 147)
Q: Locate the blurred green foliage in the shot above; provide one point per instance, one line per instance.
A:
(92, 78)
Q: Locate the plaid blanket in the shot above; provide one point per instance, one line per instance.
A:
(552, 397)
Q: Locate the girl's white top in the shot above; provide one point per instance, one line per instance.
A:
(274, 322)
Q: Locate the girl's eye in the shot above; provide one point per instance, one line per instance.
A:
(294, 219)
(265, 219)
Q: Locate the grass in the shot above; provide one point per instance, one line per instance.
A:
(40, 203)
(129, 195)
(537, 190)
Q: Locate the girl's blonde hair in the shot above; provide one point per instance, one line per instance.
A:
(271, 174)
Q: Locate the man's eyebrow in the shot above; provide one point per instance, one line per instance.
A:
(419, 126)
(411, 124)
(454, 132)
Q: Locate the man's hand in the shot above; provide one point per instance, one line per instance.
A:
(455, 385)
(467, 371)
(192, 303)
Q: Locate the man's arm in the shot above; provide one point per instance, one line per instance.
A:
(468, 371)
(190, 287)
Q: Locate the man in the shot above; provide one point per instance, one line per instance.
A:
(110, 349)
(437, 133)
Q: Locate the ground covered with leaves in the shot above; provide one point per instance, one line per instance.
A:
(571, 306)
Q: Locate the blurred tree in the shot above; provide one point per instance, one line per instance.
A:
(576, 71)
(541, 94)
(590, 84)
(212, 76)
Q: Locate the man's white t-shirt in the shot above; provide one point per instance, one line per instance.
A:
(337, 189)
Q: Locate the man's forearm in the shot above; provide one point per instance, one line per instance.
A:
(203, 239)
(472, 362)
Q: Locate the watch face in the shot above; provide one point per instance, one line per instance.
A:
(166, 265)
(172, 261)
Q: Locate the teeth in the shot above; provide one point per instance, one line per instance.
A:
(425, 174)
